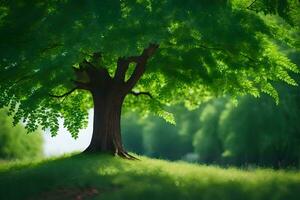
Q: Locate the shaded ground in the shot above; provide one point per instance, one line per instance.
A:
(109, 178)
(68, 193)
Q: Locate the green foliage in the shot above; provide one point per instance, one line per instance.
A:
(116, 179)
(207, 143)
(15, 143)
(251, 132)
(206, 49)
(162, 140)
(256, 131)
(154, 137)
(287, 9)
(132, 134)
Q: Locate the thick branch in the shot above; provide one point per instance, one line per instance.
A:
(95, 74)
(122, 67)
(97, 56)
(123, 63)
(82, 85)
(141, 65)
(65, 94)
(80, 74)
(77, 70)
(141, 93)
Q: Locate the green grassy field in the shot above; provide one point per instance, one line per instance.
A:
(105, 177)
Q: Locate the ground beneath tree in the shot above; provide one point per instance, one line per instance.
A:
(68, 193)
(105, 177)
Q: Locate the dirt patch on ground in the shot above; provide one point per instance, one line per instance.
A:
(69, 194)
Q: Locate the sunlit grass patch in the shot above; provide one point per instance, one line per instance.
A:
(117, 178)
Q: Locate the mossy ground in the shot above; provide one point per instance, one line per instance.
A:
(111, 178)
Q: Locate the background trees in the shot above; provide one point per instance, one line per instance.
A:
(253, 132)
(256, 131)
(15, 143)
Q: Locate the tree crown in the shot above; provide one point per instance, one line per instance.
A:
(205, 49)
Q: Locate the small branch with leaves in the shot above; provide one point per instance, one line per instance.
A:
(141, 93)
(65, 94)
(249, 7)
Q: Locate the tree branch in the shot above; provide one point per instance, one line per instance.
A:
(95, 74)
(96, 56)
(141, 93)
(65, 94)
(122, 67)
(123, 63)
(249, 7)
(141, 64)
(224, 50)
(82, 85)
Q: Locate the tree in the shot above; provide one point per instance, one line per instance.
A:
(154, 137)
(132, 135)
(61, 58)
(261, 133)
(162, 140)
(15, 144)
(207, 142)
(255, 131)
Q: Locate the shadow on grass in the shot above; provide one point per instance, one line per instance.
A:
(115, 178)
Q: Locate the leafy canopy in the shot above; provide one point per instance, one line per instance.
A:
(207, 48)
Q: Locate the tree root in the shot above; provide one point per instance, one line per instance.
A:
(124, 154)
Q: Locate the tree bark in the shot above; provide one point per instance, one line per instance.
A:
(108, 96)
(106, 128)
(106, 137)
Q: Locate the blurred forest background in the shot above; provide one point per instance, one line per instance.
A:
(252, 132)
(15, 143)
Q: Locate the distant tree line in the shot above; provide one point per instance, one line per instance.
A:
(15, 142)
(255, 131)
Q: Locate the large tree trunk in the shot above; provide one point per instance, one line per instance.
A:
(106, 136)
(108, 96)
(106, 131)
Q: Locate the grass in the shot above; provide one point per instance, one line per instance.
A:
(111, 178)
